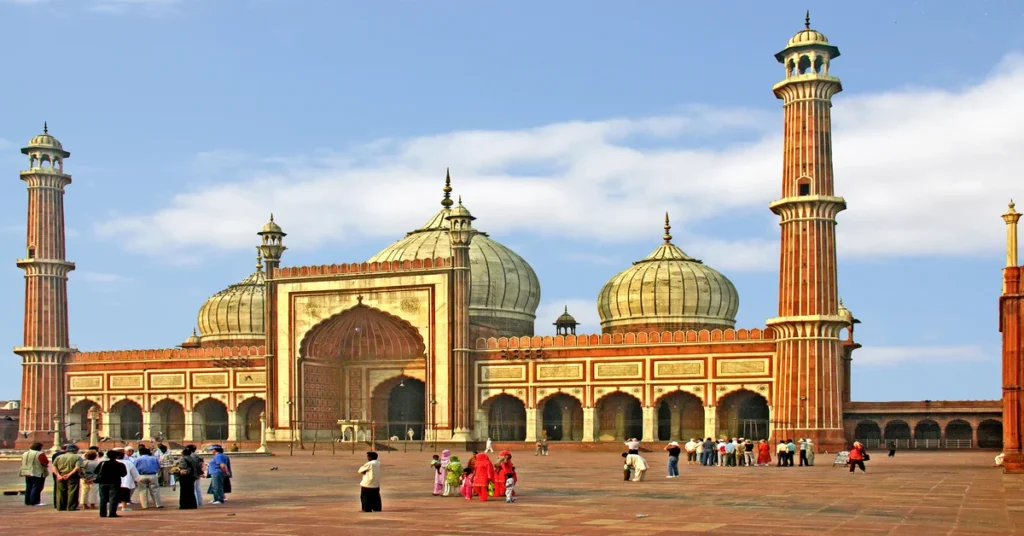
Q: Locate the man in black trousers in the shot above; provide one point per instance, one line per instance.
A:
(369, 492)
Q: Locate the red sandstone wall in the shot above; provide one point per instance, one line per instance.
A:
(359, 268)
(665, 337)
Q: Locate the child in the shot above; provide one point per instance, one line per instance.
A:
(467, 483)
(626, 469)
(436, 465)
(453, 477)
(510, 487)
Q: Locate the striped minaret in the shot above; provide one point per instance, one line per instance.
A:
(461, 232)
(46, 346)
(807, 399)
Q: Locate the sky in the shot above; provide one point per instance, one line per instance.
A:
(570, 128)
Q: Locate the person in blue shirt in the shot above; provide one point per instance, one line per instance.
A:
(149, 474)
(730, 453)
(220, 471)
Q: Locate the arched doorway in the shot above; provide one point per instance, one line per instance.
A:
(126, 421)
(79, 424)
(210, 419)
(168, 420)
(399, 405)
(337, 353)
(927, 430)
(897, 431)
(743, 414)
(680, 417)
(990, 434)
(506, 419)
(868, 432)
(249, 412)
(959, 434)
(562, 418)
(619, 417)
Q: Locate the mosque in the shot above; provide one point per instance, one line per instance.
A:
(434, 338)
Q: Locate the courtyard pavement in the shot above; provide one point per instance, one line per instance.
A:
(926, 493)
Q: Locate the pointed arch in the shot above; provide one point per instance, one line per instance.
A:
(362, 333)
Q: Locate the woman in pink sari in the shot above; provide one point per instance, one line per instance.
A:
(441, 472)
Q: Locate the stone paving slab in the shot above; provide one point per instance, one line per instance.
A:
(916, 493)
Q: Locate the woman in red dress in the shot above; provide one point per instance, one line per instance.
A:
(501, 470)
(483, 474)
(764, 453)
(857, 457)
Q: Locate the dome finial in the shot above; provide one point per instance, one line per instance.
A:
(446, 202)
(194, 332)
(668, 227)
(807, 20)
(259, 261)
(566, 309)
(271, 216)
(46, 128)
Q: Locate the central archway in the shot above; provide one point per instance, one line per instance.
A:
(506, 419)
(680, 417)
(743, 414)
(168, 420)
(399, 405)
(126, 420)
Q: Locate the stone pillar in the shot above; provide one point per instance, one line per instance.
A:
(711, 422)
(189, 428)
(588, 424)
(94, 438)
(461, 234)
(263, 435)
(567, 427)
(148, 425)
(1011, 323)
(233, 425)
(675, 425)
(106, 429)
(531, 424)
(650, 420)
(58, 432)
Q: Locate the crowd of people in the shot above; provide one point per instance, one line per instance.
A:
(123, 476)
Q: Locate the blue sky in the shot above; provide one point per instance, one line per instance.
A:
(570, 127)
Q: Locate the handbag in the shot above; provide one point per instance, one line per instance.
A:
(867, 457)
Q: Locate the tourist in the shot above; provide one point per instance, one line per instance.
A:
(857, 457)
(803, 453)
(128, 481)
(186, 473)
(892, 449)
(639, 466)
(709, 449)
(149, 488)
(780, 452)
(633, 445)
(673, 459)
(438, 463)
(466, 486)
(810, 452)
(483, 475)
(90, 489)
(220, 475)
(627, 471)
(197, 461)
(510, 487)
(411, 434)
(691, 447)
(791, 452)
(53, 474)
(109, 475)
(453, 476)
(163, 476)
(1000, 459)
(730, 453)
(369, 487)
(34, 466)
(540, 448)
(764, 453)
(503, 468)
(721, 450)
(748, 453)
(68, 470)
(490, 446)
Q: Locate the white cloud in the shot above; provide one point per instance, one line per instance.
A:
(925, 172)
(583, 310)
(887, 356)
(100, 278)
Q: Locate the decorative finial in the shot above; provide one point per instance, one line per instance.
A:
(841, 302)
(460, 200)
(1012, 205)
(807, 20)
(668, 227)
(194, 332)
(46, 128)
(271, 217)
(259, 261)
(359, 299)
(566, 309)
(447, 201)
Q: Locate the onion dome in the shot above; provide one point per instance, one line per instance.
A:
(667, 291)
(845, 313)
(505, 291)
(566, 319)
(45, 143)
(234, 316)
(272, 228)
(808, 38)
(192, 342)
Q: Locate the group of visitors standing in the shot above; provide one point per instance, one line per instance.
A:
(98, 480)
(480, 476)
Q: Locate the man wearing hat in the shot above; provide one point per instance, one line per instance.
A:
(67, 468)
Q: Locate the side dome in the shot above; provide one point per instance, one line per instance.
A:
(505, 291)
(234, 316)
(667, 291)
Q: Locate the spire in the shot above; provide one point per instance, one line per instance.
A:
(446, 202)
(807, 20)
(46, 128)
(1011, 217)
(194, 332)
(668, 227)
(259, 260)
(271, 217)
(566, 309)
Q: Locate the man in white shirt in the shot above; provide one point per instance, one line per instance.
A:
(369, 492)
(639, 466)
(633, 445)
(128, 482)
(691, 451)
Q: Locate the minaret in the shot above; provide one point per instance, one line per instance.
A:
(807, 399)
(46, 345)
(270, 250)
(1011, 324)
(461, 233)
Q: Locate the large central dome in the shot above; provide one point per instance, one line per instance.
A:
(667, 291)
(504, 290)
